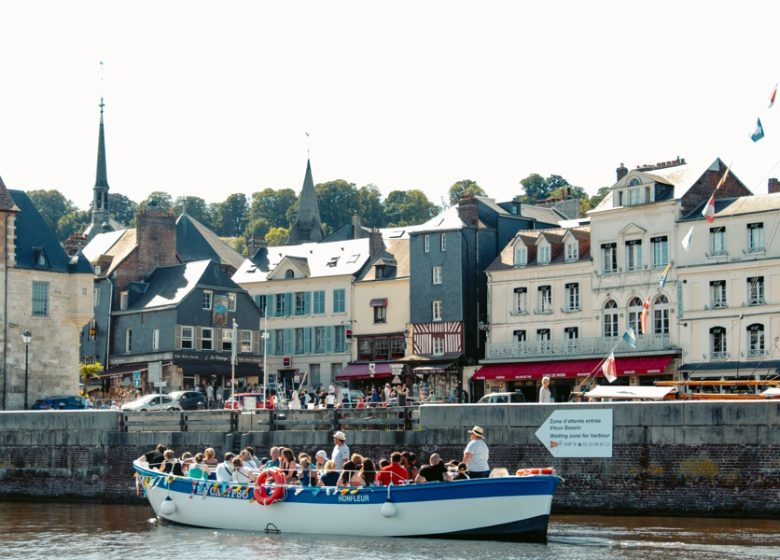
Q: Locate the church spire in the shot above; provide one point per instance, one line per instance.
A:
(100, 214)
(307, 226)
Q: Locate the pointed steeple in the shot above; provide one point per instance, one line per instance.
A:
(308, 225)
(101, 178)
(100, 214)
(7, 203)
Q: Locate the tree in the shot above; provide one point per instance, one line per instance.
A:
(277, 236)
(370, 208)
(52, 205)
(74, 222)
(464, 187)
(599, 196)
(257, 228)
(195, 207)
(230, 216)
(87, 372)
(338, 201)
(537, 188)
(157, 199)
(405, 208)
(272, 206)
(122, 208)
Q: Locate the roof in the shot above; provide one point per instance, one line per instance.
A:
(337, 258)
(742, 205)
(506, 258)
(540, 213)
(308, 225)
(36, 242)
(447, 220)
(6, 202)
(195, 242)
(396, 254)
(101, 244)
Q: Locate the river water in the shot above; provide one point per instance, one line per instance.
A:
(85, 531)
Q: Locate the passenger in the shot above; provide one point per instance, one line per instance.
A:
(187, 460)
(434, 471)
(154, 458)
(288, 466)
(393, 473)
(319, 462)
(224, 471)
(199, 470)
(409, 462)
(255, 460)
(350, 476)
(240, 472)
(462, 475)
(357, 459)
(476, 454)
(340, 454)
(383, 463)
(170, 464)
(246, 459)
(306, 474)
(330, 476)
(273, 462)
(368, 473)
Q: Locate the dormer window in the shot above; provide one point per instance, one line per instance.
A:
(521, 255)
(544, 254)
(634, 182)
(333, 262)
(572, 251)
(289, 273)
(39, 257)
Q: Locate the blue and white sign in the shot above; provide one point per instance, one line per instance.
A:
(578, 433)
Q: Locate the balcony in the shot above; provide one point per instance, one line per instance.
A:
(576, 347)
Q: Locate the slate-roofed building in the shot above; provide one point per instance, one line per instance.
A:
(45, 292)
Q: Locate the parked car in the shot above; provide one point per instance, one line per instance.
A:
(349, 397)
(239, 401)
(189, 400)
(151, 402)
(495, 398)
(62, 402)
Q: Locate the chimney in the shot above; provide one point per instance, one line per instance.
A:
(621, 171)
(773, 185)
(468, 210)
(356, 226)
(155, 232)
(375, 243)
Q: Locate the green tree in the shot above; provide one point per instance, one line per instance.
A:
(371, 210)
(52, 205)
(195, 207)
(405, 208)
(256, 228)
(338, 202)
(74, 222)
(537, 188)
(87, 372)
(157, 199)
(272, 206)
(277, 236)
(230, 216)
(464, 187)
(122, 208)
(599, 196)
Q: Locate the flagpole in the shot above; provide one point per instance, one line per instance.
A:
(265, 359)
(233, 360)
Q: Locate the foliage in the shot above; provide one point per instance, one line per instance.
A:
(88, 371)
(157, 199)
(464, 187)
(195, 207)
(272, 206)
(403, 208)
(370, 208)
(599, 196)
(277, 236)
(338, 202)
(74, 222)
(230, 216)
(52, 206)
(238, 244)
(537, 188)
(122, 208)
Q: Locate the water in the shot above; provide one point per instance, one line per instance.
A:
(85, 531)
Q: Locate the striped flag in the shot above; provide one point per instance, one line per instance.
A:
(665, 275)
(772, 97)
(630, 337)
(234, 344)
(609, 368)
(723, 179)
(643, 316)
(709, 210)
(758, 133)
(686, 241)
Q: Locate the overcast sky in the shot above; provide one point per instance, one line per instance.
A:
(209, 99)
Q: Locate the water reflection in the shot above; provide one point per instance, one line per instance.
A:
(88, 531)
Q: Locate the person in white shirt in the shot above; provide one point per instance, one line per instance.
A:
(225, 469)
(545, 395)
(476, 454)
(240, 472)
(340, 454)
(209, 396)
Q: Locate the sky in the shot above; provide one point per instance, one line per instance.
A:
(213, 98)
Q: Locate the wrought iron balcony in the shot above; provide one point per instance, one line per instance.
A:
(596, 347)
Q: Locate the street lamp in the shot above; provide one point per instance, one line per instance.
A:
(27, 339)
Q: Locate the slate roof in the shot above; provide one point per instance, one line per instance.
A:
(6, 202)
(724, 207)
(34, 238)
(195, 242)
(396, 254)
(506, 258)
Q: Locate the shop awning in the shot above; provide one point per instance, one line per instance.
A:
(650, 365)
(378, 302)
(425, 370)
(746, 367)
(356, 372)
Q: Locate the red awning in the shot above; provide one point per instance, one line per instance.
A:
(356, 372)
(650, 365)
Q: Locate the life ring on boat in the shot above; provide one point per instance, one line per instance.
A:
(261, 494)
(535, 471)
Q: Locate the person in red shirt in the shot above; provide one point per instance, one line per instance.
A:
(393, 472)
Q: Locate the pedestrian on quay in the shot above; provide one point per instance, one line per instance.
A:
(545, 395)
(476, 454)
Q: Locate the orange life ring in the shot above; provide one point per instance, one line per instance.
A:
(535, 471)
(261, 494)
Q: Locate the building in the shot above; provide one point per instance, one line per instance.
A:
(47, 297)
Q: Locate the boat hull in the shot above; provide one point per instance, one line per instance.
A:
(508, 508)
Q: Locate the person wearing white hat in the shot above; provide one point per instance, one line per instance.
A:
(476, 454)
(340, 454)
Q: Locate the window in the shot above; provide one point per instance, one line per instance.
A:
(661, 315)
(610, 319)
(381, 349)
(718, 241)
(262, 303)
(519, 336)
(545, 299)
(755, 287)
(339, 303)
(227, 340)
(206, 338)
(436, 274)
(634, 254)
(333, 262)
(427, 243)
(289, 273)
(380, 314)
(634, 315)
(231, 301)
(300, 303)
(96, 297)
(634, 196)
(755, 340)
(436, 308)
(609, 258)
(397, 347)
(245, 341)
(319, 302)
(379, 271)
(572, 296)
(40, 299)
(718, 343)
(339, 338)
(520, 300)
(280, 306)
(634, 182)
(279, 342)
(543, 340)
(122, 299)
(717, 294)
(571, 334)
(187, 338)
(207, 296)
(544, 254)
(128, 340)
(156, 339)
(521, 255)
(572, 251)
(660, 251)
(299, 341)
(438, 345)
(755, 237)
(443, 242)
(319, 340)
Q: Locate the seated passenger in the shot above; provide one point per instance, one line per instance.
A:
(186, 461)
(462, 467)
(350, 476)
(211, 461)
(199, 470)
(434, 471)
(274, 460)
(330, 476)
(170, 464)
(240, 472)
(368, 473)
(154, 458)
(393, 473)
(246, 459)
(288, 465)
(225, 469)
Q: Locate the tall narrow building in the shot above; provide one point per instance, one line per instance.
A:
(101, 220)
(308, 226)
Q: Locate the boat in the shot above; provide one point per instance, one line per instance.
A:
(509, 508)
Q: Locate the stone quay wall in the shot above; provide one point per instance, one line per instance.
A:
(669, 458)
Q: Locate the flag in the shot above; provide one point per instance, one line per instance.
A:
(686, 241)
(723, 179)
(709, 210)
(609, 368)
(234, 344)
(665, 275)
(630, 337)
(643, 316)
(771, 97)
(758, 133)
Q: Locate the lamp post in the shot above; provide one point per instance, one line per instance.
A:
(265, 360)
(27, 339)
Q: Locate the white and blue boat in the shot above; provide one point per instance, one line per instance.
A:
(508, 508)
